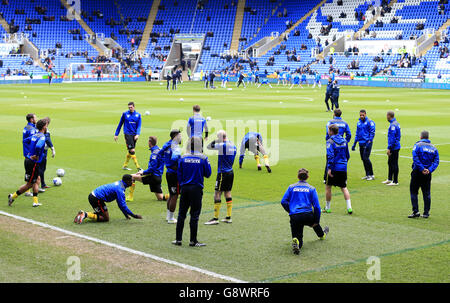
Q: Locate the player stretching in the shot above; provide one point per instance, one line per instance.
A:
(131, 121)
(225, 175)
(35, 144)
(171, 153)
(296, 81)
(302, 203)
(264, 81)
(337, 159)
(253, 142)
(152, 175)
(107, 193)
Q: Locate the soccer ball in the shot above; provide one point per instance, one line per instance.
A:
(147, 113)
(57, 181)
(208, 118)
(60, 172)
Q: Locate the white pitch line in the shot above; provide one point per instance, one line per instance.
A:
(120, 247)
(410, 147)
(408, 157)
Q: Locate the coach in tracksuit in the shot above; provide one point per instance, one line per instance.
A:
(365, 132)
(192, 168)
(425, 161)
(393, 149)
(328, 93)
(302, 203)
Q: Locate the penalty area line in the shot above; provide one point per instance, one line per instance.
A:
(123, 248)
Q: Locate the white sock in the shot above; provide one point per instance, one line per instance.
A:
(168, 215)
(349, 203)
(328, 205)
(171, 215)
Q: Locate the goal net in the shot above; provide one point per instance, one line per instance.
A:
(93, 72)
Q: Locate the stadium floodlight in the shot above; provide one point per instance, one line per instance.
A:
(93, 72)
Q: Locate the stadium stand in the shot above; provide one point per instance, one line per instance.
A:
(310, 26)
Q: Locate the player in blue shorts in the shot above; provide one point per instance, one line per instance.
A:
(317, 80)
(264, 81)
(296, 81)
(303, 79)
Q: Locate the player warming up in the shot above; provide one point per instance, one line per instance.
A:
(254, 143)
(107, 193)
(35, 145)
(152, 176)
(193, 167)
(171, 153)
(225, 175)
(131, 121)
(337, 159)
(302, 203)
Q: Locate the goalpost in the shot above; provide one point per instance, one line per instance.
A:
(93, 72)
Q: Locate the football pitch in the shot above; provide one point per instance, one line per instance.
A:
(256, 247)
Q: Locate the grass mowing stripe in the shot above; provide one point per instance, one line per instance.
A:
(120, 247)
(325, 268)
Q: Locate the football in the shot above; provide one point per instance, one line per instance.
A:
(60, 172)
(57, 181)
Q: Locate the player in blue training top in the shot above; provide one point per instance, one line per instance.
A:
(425, 161)
(302, 203)
(344, 130)
(197, 124)
(264, 81)
(43, 164)
(35, 145)
(337, 159)
(131, 121)
(317, 80)
(296, 81)
(193, 167)
(107, 193)
(393, 149)
(253, 141)
(28, 131)
(225, 175)
(303, 79)
(365, 133)
(170, 153)
(152, 176)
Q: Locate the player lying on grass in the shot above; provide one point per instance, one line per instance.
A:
(152, 175)
(253, 142)
(302, 203)
(35, 149)
(107, 193)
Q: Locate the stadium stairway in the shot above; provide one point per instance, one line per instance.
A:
(238, 20)
(4, 24)
(294, 26)
(83, 25)
(371, 21)
(438, 38)
(149, 25)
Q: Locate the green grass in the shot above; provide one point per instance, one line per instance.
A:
(256, 247)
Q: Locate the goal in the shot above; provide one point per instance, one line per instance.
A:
(93, 72)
